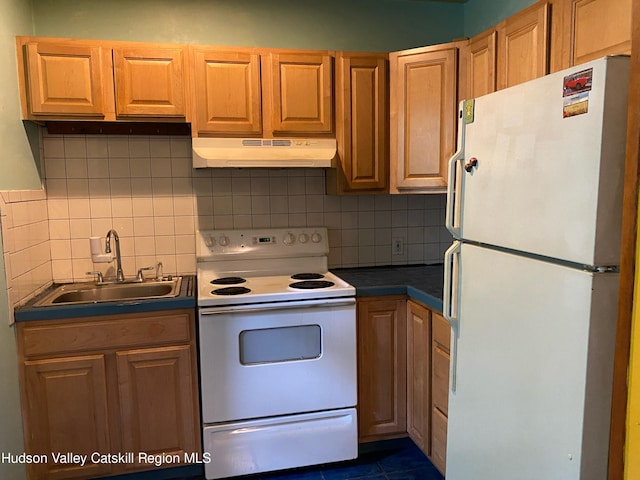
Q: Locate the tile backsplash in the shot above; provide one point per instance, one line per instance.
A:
(146, 189)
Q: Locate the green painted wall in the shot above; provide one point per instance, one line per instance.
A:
(17, 171)
(18, 165)
(360, 25)
(482, 14)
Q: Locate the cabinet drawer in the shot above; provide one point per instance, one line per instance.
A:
(441, 331)
(440, 379)
(103, 333)
(439, 440)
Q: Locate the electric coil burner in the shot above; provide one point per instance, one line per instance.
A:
(312, 284)
(277, 346)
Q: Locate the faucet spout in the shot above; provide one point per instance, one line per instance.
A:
(107, 249)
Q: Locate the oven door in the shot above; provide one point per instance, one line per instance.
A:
(277, 359)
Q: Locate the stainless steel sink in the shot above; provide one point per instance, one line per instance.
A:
(76, 293)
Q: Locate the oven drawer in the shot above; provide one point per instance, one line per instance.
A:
(243, 448)
(277, 359)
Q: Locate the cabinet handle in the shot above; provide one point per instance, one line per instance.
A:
(450, 303)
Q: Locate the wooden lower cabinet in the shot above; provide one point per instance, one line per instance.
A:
(403, 374)
(382, 367)
(108, 385)
(419, 375)
(440, 342)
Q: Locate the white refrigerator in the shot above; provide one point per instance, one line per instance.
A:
(534, 204)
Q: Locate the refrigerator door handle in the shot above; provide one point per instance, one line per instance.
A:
(450, 304)
(454, 197)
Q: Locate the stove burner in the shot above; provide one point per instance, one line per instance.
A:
(228, 281)
(307, 276)
(230, 291)
(310, 284)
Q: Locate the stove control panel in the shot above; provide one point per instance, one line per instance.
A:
(271, 242)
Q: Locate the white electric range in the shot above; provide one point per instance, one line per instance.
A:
(277, 346)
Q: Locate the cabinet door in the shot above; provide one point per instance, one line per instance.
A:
(362, 128)
(419, 375)
(439, 441)
(158, 401)
(65, 410)
(440, 362)
(227, 92)
(481, 64)
(64, 79)
(423, 118)
(301, 99)
(382, 363)
(523, 46)
(149, 82)
(597, 28)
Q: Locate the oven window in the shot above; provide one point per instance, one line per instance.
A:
(282, 344)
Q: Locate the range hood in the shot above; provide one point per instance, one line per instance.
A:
(264, 152)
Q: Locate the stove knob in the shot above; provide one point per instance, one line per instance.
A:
(223, 241)
(316, 237)
(303, 238)
(289, 239)
(209, 241)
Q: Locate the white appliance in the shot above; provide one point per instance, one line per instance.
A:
(277, 343)
(534, 203)
(264, 152)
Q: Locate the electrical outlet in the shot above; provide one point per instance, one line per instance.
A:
(398, 246)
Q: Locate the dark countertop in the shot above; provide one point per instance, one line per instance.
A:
(423, 283)
(186, 299)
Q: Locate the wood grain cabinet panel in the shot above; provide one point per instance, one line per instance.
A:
(157, 402)
(362, 98)
(523, 46)
(481, 64)
(69, 79)
(382, 372)
(597, 28)
(64, 79)
(301, 93)
(65, 399)
(106, 393)
(423, 117)
(419, 375)
(227, 93)
(149, 82)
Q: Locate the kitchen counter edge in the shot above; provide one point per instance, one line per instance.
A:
(422, 283)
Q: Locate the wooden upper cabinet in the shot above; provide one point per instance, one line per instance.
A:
(480, 65)
(596, 28)
(362, 123)
(423, 108)
(523, 46)
(64, 78)
(301, 92)
(227, 90)
(149, 82)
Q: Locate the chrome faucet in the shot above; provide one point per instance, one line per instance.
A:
(107, 249)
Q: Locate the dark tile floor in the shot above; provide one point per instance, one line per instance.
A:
(390, 460)
(397, 459)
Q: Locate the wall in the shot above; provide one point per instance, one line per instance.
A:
(360, 25)
(18, 171)
(146, 189)
(482, 14)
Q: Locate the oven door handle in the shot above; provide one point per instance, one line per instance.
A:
(318, 303)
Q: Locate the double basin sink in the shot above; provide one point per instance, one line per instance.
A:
(82, 293)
